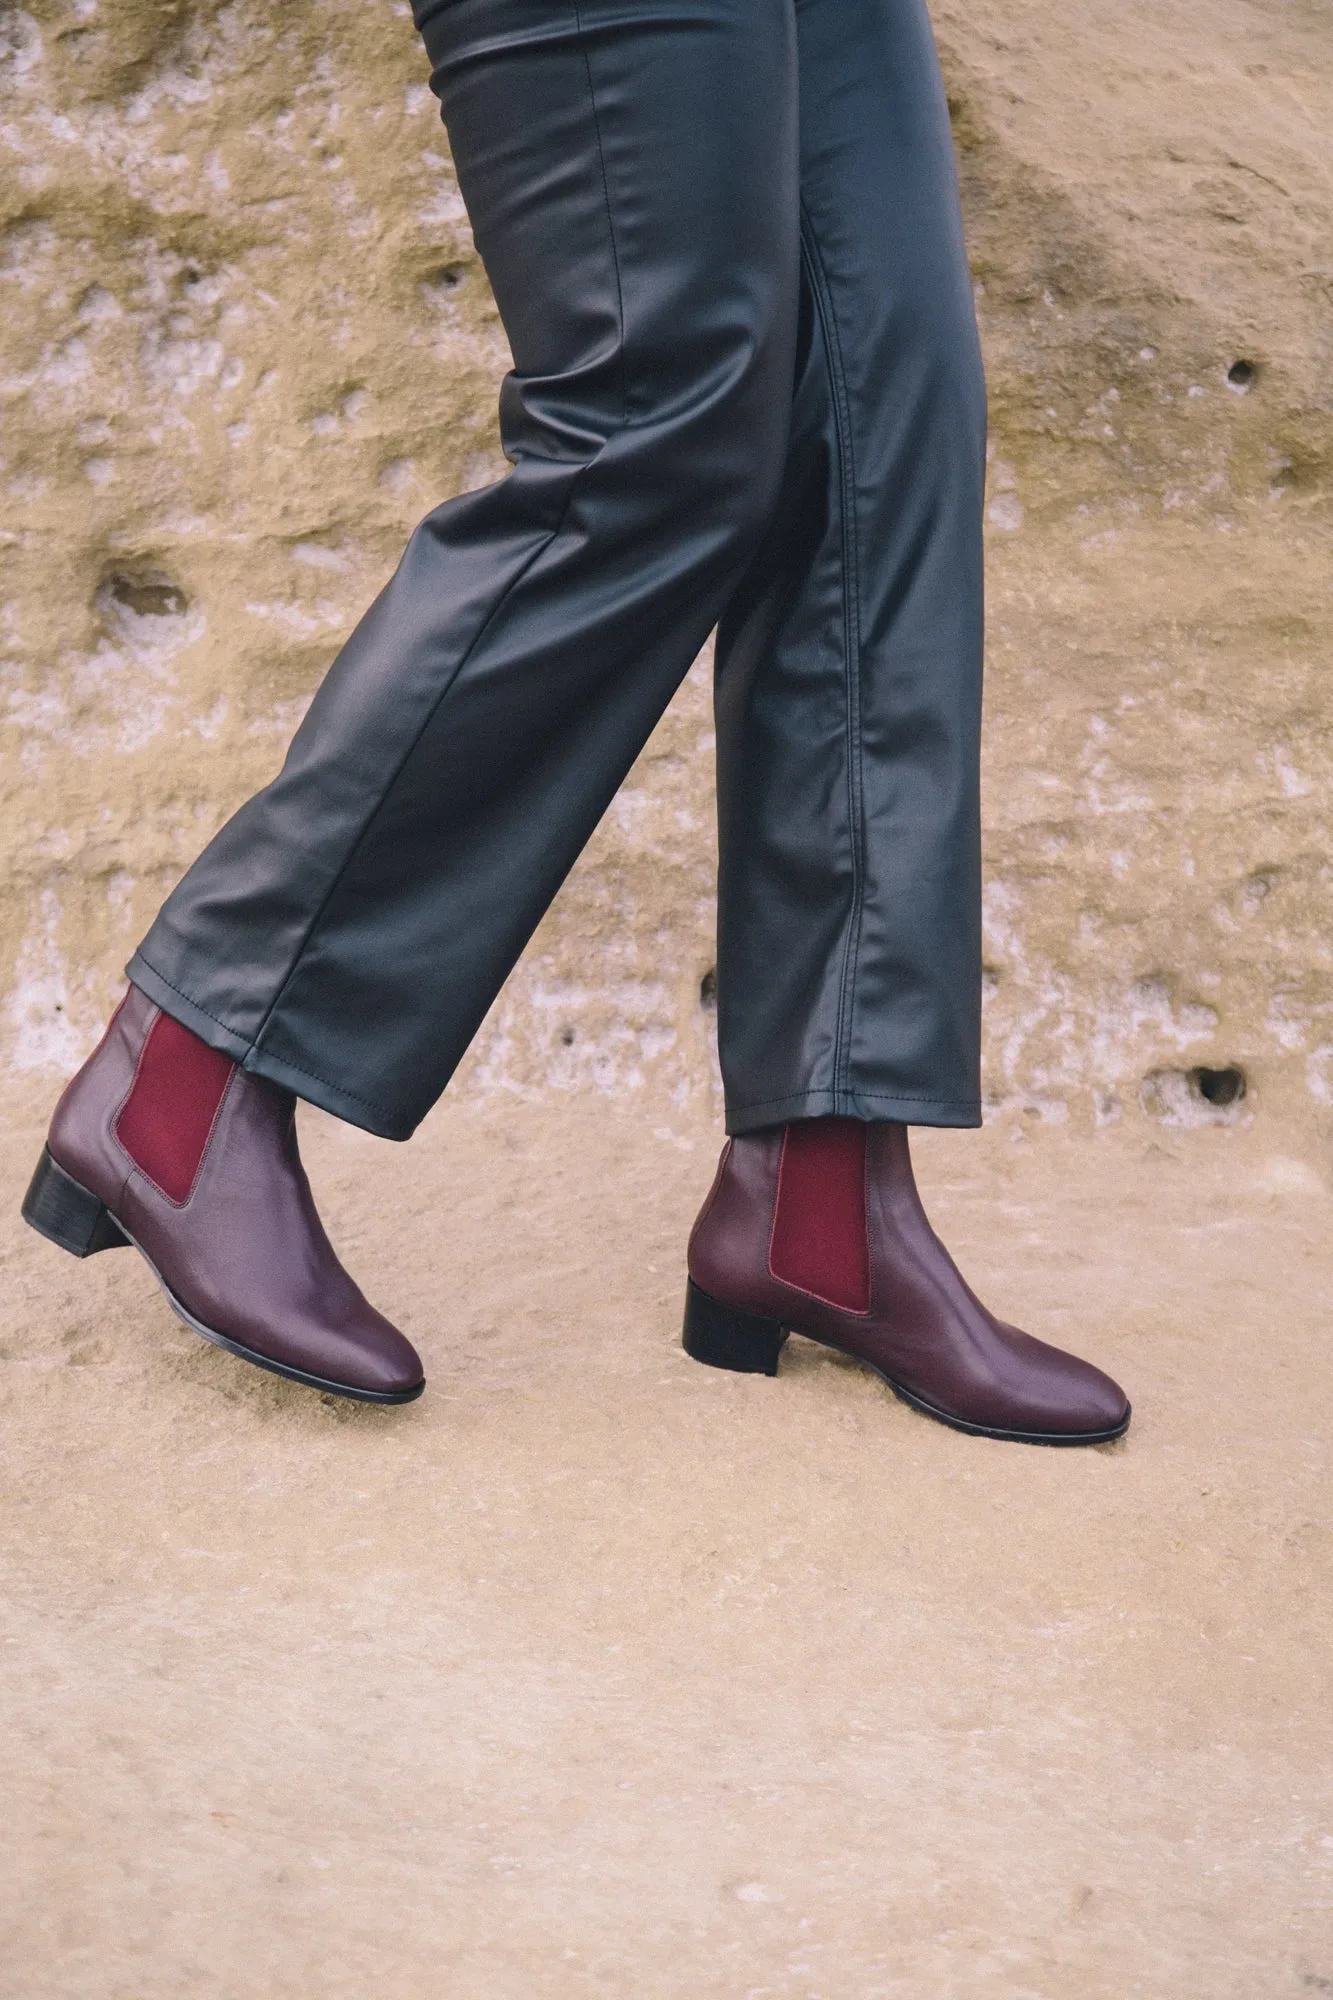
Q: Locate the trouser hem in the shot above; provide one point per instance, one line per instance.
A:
(869, 1106)
(258, 1062)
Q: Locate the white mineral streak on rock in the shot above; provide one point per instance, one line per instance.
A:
(1005, 511)
(118, 696)
(44, 1034)
(20, 45)
(303, 620)
(1319, 1073)
(282, 720)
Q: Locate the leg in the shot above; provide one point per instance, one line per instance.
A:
(849, 661)
(817, 1228)
(632, 181)
(849, 682)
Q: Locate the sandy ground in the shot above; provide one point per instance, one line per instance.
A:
(596, 1672)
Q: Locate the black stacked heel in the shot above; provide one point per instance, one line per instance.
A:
(68, 1214)
(726, 1338)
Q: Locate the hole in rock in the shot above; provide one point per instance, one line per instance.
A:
(1241, 373)
(567, 1037)
(451, 277)
(708, 990)
(1186, 1099)
(147, 596)
(1218, 1086)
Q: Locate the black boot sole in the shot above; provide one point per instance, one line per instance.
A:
(70, 1215)
(723, 1337)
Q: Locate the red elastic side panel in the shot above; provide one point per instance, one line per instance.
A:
(168, 1115)
(819, 1226)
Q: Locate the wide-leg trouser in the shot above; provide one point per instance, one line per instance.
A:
(725, 243)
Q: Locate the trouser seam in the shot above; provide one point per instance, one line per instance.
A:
(875, 1096)
(496, 608)
(339, 1089)
(822, 294)
(252, 1047)
(354, 847)
(208, 1016)
(606, 203)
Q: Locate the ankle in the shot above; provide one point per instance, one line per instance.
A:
(168, 1117)
(820, 1242)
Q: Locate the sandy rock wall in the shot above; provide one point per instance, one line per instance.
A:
(1149, 200)
(245, 343)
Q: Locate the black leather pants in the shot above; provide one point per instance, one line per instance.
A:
(725, 242)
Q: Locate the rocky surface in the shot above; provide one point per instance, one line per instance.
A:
(245, 343)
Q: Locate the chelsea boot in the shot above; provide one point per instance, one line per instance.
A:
(164, 1143)
(817, 1228)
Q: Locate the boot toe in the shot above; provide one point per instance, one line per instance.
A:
(1089, 1403)
(1107, 1404)
(1054, 1396)
(380, 1363)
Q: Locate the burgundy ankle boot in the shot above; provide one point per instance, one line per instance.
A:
(817, 1228)
(164, 1143)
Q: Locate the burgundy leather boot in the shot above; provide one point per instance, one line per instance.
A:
(164, 1143)
(817, 1228)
